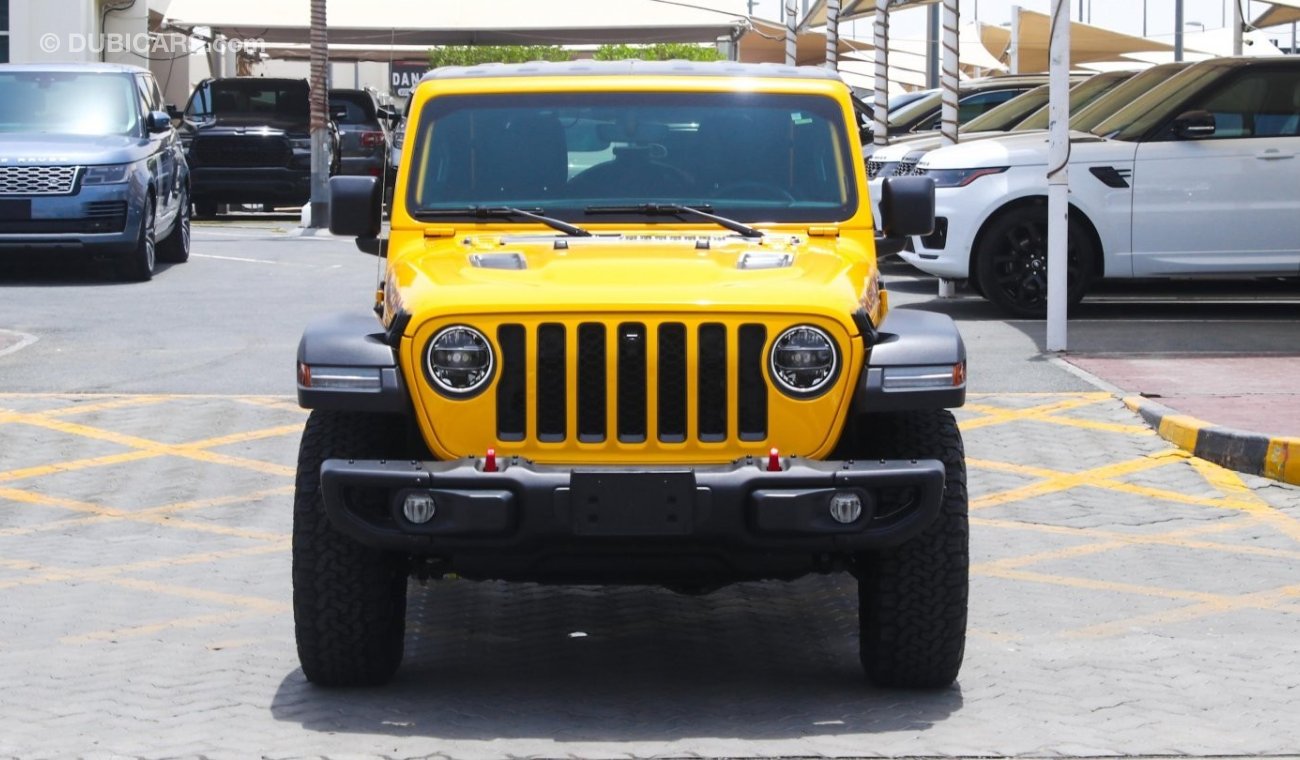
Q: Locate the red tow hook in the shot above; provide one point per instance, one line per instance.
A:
(774, 460)
(490, 461)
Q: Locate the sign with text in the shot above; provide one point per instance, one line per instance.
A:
(403, 76)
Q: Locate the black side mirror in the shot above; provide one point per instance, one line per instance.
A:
(158, 121)
(175, 113)
(1194, 125)
(356, 210)
(906, 209)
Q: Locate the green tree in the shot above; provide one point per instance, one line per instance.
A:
(471, 55)
(663, 51)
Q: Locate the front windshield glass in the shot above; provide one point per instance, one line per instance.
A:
(748, 156)
(1082, 95)
(253, 99)
(1009, 113)
(1141, 115)
(69, 103)
(910, 112)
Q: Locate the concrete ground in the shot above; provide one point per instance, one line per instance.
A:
(1127, 598)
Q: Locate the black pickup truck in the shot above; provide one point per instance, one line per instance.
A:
(248, 140)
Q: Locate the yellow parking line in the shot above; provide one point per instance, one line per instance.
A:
(1178, 539)
(1073, 480)
(1003, 416)
(44, 574)
(103, 406)
(1094, 584)
(202, 595)
(198, 621)
(1229, 482)
(76, 464)
(1268, 601)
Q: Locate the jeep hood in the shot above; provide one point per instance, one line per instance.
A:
(484, 274)
(1025, 149)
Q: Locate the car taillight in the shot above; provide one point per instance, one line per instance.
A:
(372, 139)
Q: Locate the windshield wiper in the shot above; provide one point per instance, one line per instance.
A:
(504, 212)
(678, 209)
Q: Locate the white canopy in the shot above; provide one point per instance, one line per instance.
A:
(485, 22)
(1087, 43)
(1281, 12)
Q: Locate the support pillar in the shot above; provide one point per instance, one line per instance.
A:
(1058, 177)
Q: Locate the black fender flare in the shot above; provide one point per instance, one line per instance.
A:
(908, 338)
(351, 341)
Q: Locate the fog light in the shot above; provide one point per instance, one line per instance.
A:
(846, 507)
(419, 508)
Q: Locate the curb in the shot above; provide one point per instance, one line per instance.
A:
(1240, 450)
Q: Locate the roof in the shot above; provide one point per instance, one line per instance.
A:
(1279, 12)
(631, 68)
(483, 22)
(84, 68)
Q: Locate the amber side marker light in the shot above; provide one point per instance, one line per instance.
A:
(927, 377)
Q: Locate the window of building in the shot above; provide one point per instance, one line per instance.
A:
(4, 31)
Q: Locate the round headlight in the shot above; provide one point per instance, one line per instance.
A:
(459, 361)
(804, 361)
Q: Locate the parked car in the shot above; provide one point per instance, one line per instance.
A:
(975, 97)
(1196, 178)
(248, 140)
(89, 161)
(363, 127)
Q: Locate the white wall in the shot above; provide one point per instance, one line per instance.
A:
(345, 76)
(49, 31)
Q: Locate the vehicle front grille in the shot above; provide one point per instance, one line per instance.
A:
(630, 382)
(873, 168)
(38, 180)
(240, 151)
(907, 167)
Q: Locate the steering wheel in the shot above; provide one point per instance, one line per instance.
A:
(754, 190)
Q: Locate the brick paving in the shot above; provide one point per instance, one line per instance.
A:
(1127, 599)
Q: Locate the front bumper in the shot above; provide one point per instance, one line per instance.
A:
(525, 520)
(102, 219)
(251, 184)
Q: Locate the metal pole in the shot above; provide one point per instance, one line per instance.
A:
(1058, 177)
(1014, 52)
(1178, 30)
(832, 33)
(1144, 18)
(320, 128)
(880, 40)
(1293, 50)
(791, 33)
(948, 114)
(1238, 26)
(932, 47)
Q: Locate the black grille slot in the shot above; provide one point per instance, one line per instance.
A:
(672, 383)
(631, 383)
(240, 151)
(105, 209)
(552, 379)
(592, 419)
(713, 382)
(752, 389)
(512, 389)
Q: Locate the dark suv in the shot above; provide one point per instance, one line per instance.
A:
(363, 132)
(89, 162)
(249, 141)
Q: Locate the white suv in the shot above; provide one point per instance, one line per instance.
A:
(1198, 177)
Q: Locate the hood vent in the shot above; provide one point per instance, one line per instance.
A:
(751, 260)
(499, 260)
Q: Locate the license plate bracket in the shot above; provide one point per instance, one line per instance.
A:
(632, 503)
(15, 210)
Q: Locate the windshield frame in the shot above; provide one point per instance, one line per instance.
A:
(573, 209)
(1149, 111)
(131, 92)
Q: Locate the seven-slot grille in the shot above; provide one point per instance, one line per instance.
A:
(907, 167)
(38, 180)
(631, 382)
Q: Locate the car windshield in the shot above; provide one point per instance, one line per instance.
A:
(909, 112)
(267, 99)
(354, 106)
(747, 156)
(1082, 95)
(69, 103)
(1009, 113)
(1142, 114)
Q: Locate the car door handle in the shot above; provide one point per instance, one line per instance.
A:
(1273, 154)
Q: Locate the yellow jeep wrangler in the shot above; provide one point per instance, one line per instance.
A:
(630, 331)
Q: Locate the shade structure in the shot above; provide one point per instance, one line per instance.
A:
(765, 43)
(483, 22)
(1279, 12)
(1212, 43)
(1087, 43)
(851, 9)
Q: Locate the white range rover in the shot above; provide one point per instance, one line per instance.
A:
(1199, 177)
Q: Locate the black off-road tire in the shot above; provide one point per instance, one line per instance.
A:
(912, 598)
(349, 601)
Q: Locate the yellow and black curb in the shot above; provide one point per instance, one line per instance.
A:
(1240, 450)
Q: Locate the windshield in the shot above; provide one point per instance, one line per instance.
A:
(913, 110)
(278, 100)
(1009, 113)
(1134, 120)
(748, 156)
(69, 103)
(1082, 95)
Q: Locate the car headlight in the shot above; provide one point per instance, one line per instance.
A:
(960, 177)
(459, 361)
(300, 143)
(114, 174)
(804, 361)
